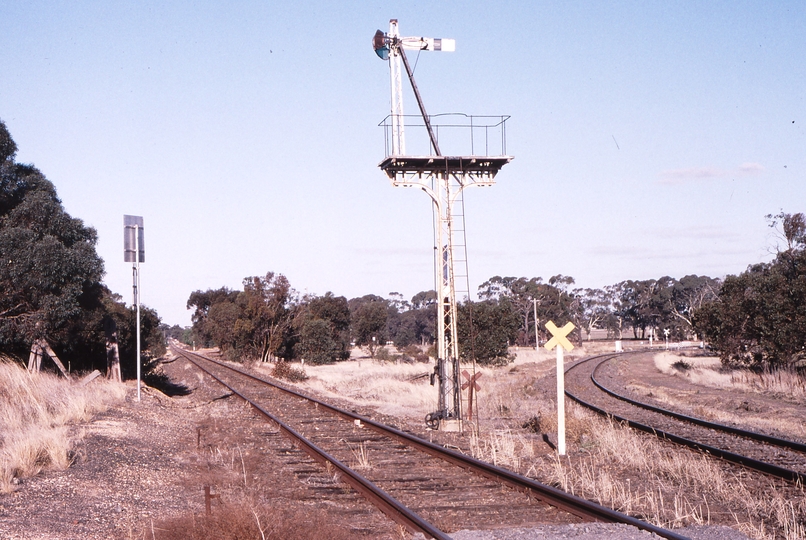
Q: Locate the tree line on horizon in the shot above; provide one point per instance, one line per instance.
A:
(268, 321)
(52, 289)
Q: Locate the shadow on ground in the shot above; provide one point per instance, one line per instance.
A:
(164, 384)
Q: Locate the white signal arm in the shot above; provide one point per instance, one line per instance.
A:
(428, 44)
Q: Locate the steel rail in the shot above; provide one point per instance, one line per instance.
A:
(550, 495)
(784, 443)
(390, 506)
(750, 463)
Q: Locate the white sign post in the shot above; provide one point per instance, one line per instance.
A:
(561, 342)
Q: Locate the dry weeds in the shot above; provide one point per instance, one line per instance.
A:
(641, 476)
(244, 520)
(387, 387)
(35, 412)
(785, 382)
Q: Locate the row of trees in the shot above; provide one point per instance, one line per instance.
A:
(267, 320)
(50, 276)
(639, 307)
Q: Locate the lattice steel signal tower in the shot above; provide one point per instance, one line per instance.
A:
(443, 178)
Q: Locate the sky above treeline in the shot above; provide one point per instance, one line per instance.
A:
(649, 138)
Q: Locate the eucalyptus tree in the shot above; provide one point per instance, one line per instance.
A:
(50, 275)
(522, 293)
(201, 302)
(368, 321)
(596, 309)
(265, 318)
(418, 324)
(322, 329)
(252, 323)
(689, 294)
(486, 330)
(552, 301)
(49, 269)
(758, 318)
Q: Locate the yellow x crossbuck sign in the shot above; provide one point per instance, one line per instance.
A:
(559, 335)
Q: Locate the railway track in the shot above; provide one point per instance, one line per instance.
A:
(413, 481)
(774, 456)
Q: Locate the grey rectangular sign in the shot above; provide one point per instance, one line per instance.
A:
(130, 244)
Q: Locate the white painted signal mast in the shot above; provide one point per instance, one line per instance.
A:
(443, 178)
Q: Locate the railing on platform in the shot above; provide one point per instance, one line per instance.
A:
(457, 134)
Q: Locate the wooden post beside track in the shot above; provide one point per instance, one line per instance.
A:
(112, 352)
(470, 386)
(40, 348)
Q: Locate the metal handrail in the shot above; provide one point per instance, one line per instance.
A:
(493, 127)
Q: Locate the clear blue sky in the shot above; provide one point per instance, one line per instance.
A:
(650, 138)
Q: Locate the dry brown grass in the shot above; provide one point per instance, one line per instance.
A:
(708, 371)
(787, 385)
(35, 410)
(284, 370)
(787, 382)
(385, 386)
(242, 520)
(623, 469)
(641, 476)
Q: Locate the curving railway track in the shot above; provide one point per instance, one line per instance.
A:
(413, 481)
(771, 455)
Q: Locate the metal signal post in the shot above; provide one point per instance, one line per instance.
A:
(444, 178)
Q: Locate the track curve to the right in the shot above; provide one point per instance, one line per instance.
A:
(777, 457)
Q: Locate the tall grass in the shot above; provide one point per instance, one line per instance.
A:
(35, 410)
(641, 476)
(787, 381)
(243, 520)
(388, 387)
(781, 385)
